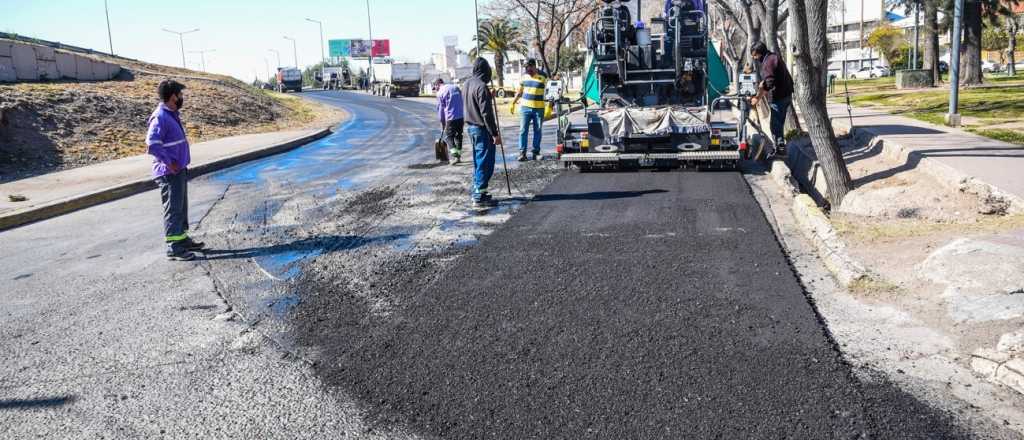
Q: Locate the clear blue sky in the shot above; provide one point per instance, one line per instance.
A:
(240, 31)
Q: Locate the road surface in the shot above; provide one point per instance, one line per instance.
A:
(342, 301)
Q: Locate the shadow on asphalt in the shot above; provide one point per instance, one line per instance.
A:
(15, 404)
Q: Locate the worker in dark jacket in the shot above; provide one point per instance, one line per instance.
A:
(482, 125)
(776, 87)
(166, 142)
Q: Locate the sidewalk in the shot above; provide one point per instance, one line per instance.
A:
(953, 156)
(54, 194)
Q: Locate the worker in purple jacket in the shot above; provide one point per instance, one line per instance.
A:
(449, 111)
(166, 142)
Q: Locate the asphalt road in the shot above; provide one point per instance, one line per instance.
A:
(632, 305)
(615, 305)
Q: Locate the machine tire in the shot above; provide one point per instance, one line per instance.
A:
(501, 93)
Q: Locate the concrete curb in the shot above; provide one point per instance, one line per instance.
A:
(952, 178)
(818, 229)
(1000, 367)
(60, 207)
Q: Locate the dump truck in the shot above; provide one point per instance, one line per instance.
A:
(655, 90)
(397, 79)
(336, 78)
(289, 78)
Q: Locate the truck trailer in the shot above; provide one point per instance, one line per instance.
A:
(289, 78)
(397, 79)
(336, 78)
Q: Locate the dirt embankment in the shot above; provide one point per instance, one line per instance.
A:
(48, 127)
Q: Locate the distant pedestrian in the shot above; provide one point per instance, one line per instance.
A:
(449, 110)
(483, 130)
(777, 88)
(531, 93)
(167, 144)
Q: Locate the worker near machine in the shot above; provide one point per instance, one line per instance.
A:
(449, 110)
(531, 93)
(482, 121)
(167, 144)
(777, 88)
(687, 5)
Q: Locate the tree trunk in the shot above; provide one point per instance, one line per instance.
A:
(811, 60)
(931, 43)
(970, 59)
(1012, 28)
(771, 25)
(499, 67)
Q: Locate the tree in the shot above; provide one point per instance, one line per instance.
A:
(975, 13)
(811, 53)
(499, 36)
(1013, 25)
(550, 24)
(995, 39)
(890, 41)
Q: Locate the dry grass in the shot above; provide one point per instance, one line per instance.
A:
(880, 231)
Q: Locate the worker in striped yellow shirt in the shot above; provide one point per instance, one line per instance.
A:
(531, 94)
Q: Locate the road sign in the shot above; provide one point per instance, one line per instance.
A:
(340, 48)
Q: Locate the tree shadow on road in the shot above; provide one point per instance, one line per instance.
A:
(597, 195)
(47, 402)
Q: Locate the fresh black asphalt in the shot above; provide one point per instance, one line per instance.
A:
(613, 306)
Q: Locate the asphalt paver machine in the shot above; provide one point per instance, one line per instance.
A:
(655, 95)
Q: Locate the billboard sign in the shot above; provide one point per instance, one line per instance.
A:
(381, 48)
(359, 48)
(340, 48)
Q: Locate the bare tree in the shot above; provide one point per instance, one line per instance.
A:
(549, 24)
(1013, 24)
(811, 52)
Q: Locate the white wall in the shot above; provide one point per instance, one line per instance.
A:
(30, 62)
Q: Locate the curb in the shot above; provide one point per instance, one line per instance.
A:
(60, 207)
(1000, 368)
(818, 229)
(952, 178)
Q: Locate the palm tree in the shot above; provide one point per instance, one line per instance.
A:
(499, 36)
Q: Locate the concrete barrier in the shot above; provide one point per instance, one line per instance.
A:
(32, 62)
(914, 79)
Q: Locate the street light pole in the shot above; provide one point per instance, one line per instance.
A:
(369, 29)
(917, 13)
(267, 63)
(295, 50)
(323, 55)
(181, 40)
(110, 38)
(953, 117)
(278, 53)
(202, 56)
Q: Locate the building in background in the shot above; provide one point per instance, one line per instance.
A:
(850, 24)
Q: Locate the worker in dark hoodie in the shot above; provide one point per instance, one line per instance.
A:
(482, 125)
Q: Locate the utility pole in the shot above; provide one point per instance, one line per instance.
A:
(295, 50)
(267, 63)
(369, 29)
(202, 56)
(278, 53)
(953, 117)
(842, 20)
(323, 55)
(181, 39)
(861, 33)
(110, 38)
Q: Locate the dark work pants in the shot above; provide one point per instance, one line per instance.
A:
(453, 136)
(174, 195)
(778, 120)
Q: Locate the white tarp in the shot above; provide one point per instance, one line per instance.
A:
(625, 122)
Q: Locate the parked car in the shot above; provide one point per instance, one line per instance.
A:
(989, 66)
(870, 72)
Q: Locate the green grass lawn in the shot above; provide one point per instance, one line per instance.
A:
(995, 110)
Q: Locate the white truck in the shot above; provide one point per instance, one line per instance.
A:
(336, 78)
(397, 79)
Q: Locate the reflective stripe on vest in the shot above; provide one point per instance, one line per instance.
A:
(533, 91)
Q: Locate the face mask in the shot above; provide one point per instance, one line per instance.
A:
(181, 101)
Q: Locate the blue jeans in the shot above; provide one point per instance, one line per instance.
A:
(531, 117)
(483, 159)
(779, 109)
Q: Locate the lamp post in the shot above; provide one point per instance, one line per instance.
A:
(110, 38)
(181, 39)
(917, 13)
(267, 63)
(295, 50)
(202, 56)
(323, 55)
(278, 53)
(369, 29)
(476, 30)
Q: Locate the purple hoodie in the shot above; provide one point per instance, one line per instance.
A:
(449, 103)
(166, 141)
